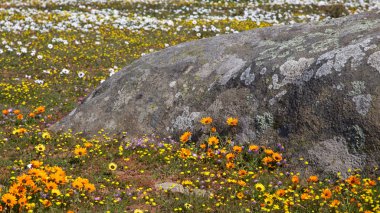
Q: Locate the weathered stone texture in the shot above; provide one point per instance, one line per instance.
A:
(314, 87)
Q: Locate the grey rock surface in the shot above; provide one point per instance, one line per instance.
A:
(313, 87)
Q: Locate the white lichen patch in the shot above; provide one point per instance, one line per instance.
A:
(358, 87)
(205, 71)
(247, 76)
(229, 69)
(275, 84)
(339, 86)
(277, 97)
(111, 124)
(72, 112)
(226, 67)
(373, 46)
(374, 60)
(333, 156)
(123, 98)
(169, 101)
(77, 116)
(323, 45)
(186, 120)
(178, 94)
(362, 103)
(172, 84)
(293, 70)
(336, 59)
(279, 50)
(189, 69)
(263, 71)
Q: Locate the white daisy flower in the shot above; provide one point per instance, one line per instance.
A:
(81, 74)
(65, 71)
(39, 81)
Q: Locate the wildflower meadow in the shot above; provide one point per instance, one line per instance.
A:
(55, 52)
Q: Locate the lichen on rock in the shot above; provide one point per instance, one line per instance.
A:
(374, 60)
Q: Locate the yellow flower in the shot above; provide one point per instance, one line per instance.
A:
(138, 211)
(232, 121)
(40, 148)
(260, 187)
(185, 137)
(46, 135)
(46, 202)
(187, 182)
(206, 120)
(19, 131)
(55, 192)
(112, 166)
(30, 206)
(188, 205)
(240, 195)
(268, 201)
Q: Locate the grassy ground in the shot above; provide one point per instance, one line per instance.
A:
(53, 53)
